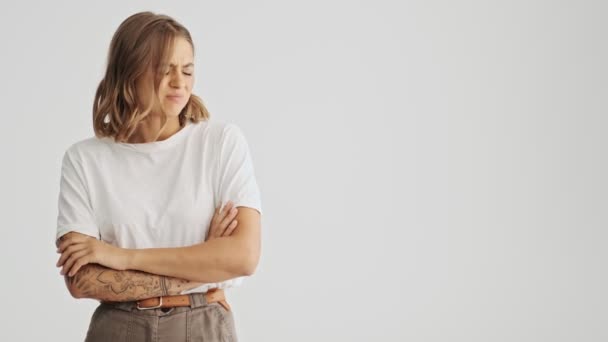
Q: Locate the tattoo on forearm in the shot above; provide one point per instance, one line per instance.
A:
(99, 282)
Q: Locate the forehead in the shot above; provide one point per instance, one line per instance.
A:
(182, 53)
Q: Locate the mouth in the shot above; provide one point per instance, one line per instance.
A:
(175, 98)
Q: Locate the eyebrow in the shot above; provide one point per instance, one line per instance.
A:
(183, 66)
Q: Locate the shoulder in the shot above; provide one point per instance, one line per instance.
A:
(222, 132)
(85, 149)
(222, 126)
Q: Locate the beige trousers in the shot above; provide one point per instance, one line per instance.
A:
(201, 321)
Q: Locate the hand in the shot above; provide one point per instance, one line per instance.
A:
(223, 222)
(78, 250)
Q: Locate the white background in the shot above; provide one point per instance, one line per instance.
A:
(430, 170)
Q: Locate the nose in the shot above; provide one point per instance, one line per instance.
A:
(177, 80)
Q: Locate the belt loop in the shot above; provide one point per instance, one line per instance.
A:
(197, 299)
(192, 304)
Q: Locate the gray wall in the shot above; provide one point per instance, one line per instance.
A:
(430, 170)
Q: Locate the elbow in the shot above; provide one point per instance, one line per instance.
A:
(75, 293)
(74, 290)
(250, 263)
(248, 270)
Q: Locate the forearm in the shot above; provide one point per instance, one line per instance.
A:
(106, 284)
(213, 261)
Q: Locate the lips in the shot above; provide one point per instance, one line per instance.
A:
(176, 98)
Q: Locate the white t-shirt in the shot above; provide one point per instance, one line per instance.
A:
(158, 194)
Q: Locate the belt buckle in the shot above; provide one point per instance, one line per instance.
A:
(151, 307)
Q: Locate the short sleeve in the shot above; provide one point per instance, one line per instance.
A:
(236, 179)
(75, 213)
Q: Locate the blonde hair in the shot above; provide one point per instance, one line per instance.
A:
(141, 43)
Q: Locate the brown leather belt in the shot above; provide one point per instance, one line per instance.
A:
(212, 296)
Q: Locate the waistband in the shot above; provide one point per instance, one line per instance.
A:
(197, 299)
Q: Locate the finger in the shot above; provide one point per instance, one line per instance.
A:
(66, 254)
(63, 245)
(231, 227)
(219, 220)
(229, 217)
(227, 207)
(215, 230)
(67, 235)
(216, 214)
(81, 262)
(73, 239)
(68, 251)
(71, 260)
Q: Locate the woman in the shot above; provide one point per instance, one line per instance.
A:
(148, 221)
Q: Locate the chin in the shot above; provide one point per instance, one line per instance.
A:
(173, 111)
(172, 116)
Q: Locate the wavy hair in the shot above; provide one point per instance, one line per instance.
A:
(142, 42)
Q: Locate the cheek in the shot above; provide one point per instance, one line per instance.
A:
(189, 83)
(164, 88)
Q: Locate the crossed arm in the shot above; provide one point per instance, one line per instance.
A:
(169, 271)
(106, 284)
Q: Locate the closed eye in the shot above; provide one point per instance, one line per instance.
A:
(185, 73)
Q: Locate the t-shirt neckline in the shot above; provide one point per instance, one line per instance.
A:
(159, 145)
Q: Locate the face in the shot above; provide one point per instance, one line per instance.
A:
(176, 84)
